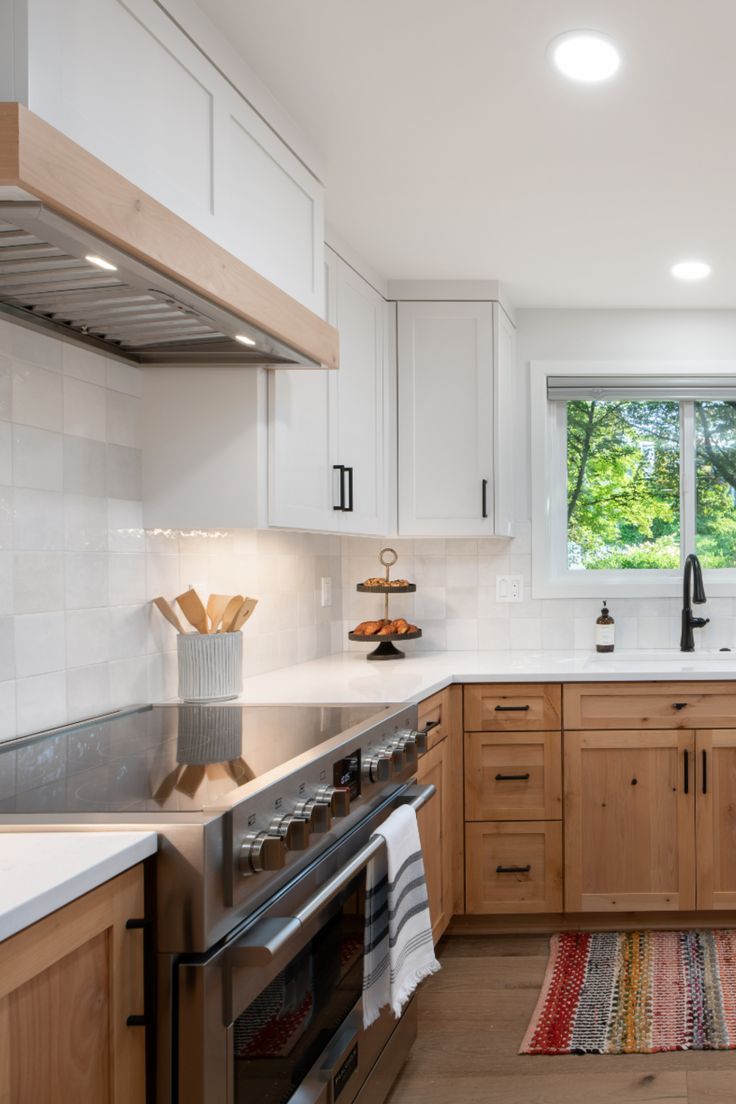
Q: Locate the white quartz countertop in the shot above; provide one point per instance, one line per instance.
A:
(349, 677)
(41, 871)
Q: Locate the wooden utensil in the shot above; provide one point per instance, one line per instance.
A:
(193, 610)
(242, 615)
(191, 779)
(229, 613)
(216, 606)
(169, 613)
(165, 789)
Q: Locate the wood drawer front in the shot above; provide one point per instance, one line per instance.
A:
(512, 707)
(513, 777)
(688, 705)
(533, 845)
(435, 717)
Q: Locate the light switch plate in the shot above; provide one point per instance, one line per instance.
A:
(509, 588)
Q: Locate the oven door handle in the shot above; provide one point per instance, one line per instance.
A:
(268, 939)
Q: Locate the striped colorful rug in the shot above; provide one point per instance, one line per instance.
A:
(636, 993)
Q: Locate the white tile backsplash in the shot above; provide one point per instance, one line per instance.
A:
(455, 602)
(37, 458)
(36, 397)
(85, 409)
(78, 635)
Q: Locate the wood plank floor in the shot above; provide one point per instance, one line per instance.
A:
(472, 1018)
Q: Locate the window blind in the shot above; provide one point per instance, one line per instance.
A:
(562, 388)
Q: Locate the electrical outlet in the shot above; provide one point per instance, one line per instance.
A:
(326, 593)
(509, 588)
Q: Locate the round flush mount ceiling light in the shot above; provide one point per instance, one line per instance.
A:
(690, 270)
(585, 56)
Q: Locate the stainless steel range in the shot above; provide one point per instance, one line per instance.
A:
(265, 816)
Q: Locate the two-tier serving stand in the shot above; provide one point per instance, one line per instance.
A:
(386, 649)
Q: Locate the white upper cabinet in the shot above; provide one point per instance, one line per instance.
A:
(450, 398)
(124, 81)
(331, 458)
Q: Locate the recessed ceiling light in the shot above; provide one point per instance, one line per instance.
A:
(585, 56)
(244, 339)
(101, 262)
(690, 270)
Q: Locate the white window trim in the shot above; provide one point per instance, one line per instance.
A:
(551, 577)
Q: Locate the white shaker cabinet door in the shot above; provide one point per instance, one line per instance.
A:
(364, 394)
(302, 450)
(445, 359)
(303, 481)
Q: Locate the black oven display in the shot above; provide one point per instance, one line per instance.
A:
(346, 774)
(280, 1036)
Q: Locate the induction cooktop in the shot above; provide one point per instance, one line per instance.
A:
(163, 758)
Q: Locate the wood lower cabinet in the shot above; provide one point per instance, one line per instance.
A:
(715, 799)
(629, 821)
(440, 820)
(67, 986)
(516, 867)
(517, 778)
(641, 705)
(512, 707)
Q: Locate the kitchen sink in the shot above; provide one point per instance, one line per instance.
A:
(665, 655)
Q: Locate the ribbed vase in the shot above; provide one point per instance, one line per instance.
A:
(210, 667)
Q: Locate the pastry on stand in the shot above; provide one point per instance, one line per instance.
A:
(384, 630)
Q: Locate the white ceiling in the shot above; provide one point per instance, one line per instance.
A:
(454, 150)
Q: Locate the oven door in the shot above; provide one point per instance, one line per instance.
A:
(275, 1014)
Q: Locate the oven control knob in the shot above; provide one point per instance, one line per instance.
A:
(317, 814)
(261, 851)
(396, 756)
(407, 741)
(293, 830)
(420, 739)
(377, 768)
(338, 798)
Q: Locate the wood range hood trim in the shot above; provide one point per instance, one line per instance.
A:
(38, 164)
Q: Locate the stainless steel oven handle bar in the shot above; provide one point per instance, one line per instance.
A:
(268, 939)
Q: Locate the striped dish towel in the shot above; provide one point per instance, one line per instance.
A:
(399, 950)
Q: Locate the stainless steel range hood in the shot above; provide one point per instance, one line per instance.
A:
(86, 255)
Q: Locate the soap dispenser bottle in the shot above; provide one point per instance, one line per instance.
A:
(604, 631)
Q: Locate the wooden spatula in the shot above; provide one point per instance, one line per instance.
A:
(229, 613)
(242, 615)
(193, 610)
(169, 613)
(216, 606)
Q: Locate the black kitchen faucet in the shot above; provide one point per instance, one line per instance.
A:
(692, 575)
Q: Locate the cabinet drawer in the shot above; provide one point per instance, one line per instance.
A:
(513, 867)
(511, 777)
(434, 717)
(512, 707)
(608, 705)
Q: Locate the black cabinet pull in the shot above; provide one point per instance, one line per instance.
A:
(341, 469)
(349, 508)
(512, 708)
(136, 1021)
(484, 498)
(513, 777)
(686, 779)
(513, 869)
(679, 705)
(705, 771)
(430, 725)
